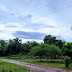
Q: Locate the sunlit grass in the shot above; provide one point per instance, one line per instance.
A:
(10, 66)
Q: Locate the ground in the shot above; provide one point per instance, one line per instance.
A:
(37, 68)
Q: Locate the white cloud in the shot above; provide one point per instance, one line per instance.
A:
(66, 33)
(52, 31)
(12, 12)
(25, 40)
(5, 36)
(19, 27)
(14, 24)
(44, 20)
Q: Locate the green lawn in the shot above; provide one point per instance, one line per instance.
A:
(10, 66)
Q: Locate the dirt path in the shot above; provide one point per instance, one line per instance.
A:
(37, 68)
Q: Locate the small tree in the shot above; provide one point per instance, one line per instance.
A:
(52, 51)
(45, 50)
(67, 61)
(38, 51)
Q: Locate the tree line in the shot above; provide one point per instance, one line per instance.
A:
(51, 48)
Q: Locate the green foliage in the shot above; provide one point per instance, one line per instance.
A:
(14, 46)
(10, 66)
(67, 61)
(54, 50)
(51, 48)
(67, 50)
(49, 40)
(3, 47)
(26, 47)
(44, 50)
(53, 41)
(38, 51)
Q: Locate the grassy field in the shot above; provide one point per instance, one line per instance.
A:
(9, 66)
(55, 63)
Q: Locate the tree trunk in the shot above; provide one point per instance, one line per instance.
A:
(47, 59)
(40, 58)
(51, 59)
(67, 64)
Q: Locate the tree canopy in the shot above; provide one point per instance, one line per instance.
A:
(45, 50)
(51, 40)
(67, 50)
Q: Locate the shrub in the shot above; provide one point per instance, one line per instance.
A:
(67, 61)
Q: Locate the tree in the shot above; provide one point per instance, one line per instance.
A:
(38, 51)
(14, 46)
(3, 47)
(18, 44)
(67, 61)
(33, 43)
(53, 41)
(67, 50)
(52, 51)
(45, 50)
(26, 47)
(10, 47)
(49, 40)
(60, 43)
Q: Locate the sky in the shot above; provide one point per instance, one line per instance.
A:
(32, 20)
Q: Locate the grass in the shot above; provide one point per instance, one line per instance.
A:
(56, 63)
(10, 66)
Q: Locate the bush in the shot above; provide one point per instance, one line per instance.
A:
(67, 61)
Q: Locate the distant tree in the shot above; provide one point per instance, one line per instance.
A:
(45, 50)
(49, 40)
(67, 50)
(26, 47)
(52, 51)
(10, 47)
(3, 45)
(60, 43)
(14, 46)
(33, 43)
(38, 51)
(53, 41)
(18, 45)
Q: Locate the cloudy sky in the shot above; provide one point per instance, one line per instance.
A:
(33, 19)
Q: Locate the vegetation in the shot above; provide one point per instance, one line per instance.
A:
(67, 61)
(9, 66)
(50, 49)
(44, 50)
(53, 41)
(54, 63)
(67, 50)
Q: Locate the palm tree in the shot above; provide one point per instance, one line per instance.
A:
(17, 43)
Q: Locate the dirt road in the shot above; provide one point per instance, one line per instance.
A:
(37, 68)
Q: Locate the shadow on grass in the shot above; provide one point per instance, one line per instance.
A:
(59, 62)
